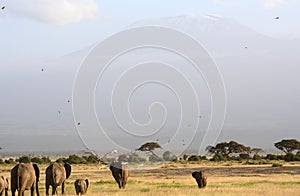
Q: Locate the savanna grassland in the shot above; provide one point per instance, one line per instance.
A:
(175, 179)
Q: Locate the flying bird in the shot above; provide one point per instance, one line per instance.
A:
(68, 101)
(3, 7)
(78, 123)
(277, 17)
(42, 69)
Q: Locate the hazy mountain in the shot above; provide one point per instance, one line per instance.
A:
(261, 76)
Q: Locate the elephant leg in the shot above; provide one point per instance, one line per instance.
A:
(47, 189)
(32, 191)
(63, 188)
(54, 189)
(13, 192)
(20, 192)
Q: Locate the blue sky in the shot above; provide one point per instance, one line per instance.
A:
(37, 29)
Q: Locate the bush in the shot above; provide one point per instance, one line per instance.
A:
(74, 159)
(1, 161)
(277, 165)
(244, 156)
(271, 157)
(24, 159)
(92, 159)
(218, 157)
(61, 160)
(194, 158)
(185, 157)
(256, 157)
(43, 160)
(289, 157)
(10, 161)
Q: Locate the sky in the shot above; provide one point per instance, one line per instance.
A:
(260, 67)
(56, 27)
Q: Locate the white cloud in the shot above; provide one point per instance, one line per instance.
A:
(58, 12)
(271, 4)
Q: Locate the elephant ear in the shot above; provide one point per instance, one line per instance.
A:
(87, 183)
(37, 171)
(68, 170)
(194, 174)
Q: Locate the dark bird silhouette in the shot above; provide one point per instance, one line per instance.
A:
(68, 101)
(277, 17)
(78, 123)
(3, 7)
(42, 69)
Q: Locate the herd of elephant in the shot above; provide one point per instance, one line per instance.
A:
(25, 176)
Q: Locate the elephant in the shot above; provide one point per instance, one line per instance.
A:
(25, 176)
(81, 186)
(201, 179)
(3, 186)
(120, 173)
(56, 175)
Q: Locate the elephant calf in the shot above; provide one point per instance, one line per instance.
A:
(201, 179)
(120, 173)
(81, 186)
(3, 186)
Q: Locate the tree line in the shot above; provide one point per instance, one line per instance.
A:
(223, 151)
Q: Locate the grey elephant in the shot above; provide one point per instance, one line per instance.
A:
(25, 176)
(120, 173)
(56, 175)
(81, 186)
(201, 179)
(3, 186)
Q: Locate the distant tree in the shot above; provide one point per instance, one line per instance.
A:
(169, 156)
(149, 147)
(288, 146)
(24, 159)
(92, 159)
(256, 151)
(227, 148)
(41, 160)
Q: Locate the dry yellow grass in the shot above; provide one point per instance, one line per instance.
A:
(177, 180)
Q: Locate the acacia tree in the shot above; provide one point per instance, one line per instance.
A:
(288, 146)
(227, 148)
(149, 147)
(256, 150)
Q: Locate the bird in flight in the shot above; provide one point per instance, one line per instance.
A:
(277, 17)
(3, 7)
